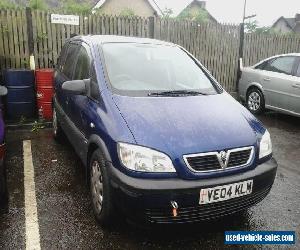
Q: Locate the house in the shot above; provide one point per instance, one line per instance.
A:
(188, 9)
(285, 25)
(196, 10)
(144, 8)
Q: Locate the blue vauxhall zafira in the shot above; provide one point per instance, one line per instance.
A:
(161, 140)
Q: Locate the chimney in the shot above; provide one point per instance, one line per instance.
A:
(297, 17)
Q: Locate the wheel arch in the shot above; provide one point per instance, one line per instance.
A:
(255, 85)
(95, 142)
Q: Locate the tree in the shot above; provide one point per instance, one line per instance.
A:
(167, 13)
(252, 27)
(37, 4)
(72, 6)
(198, 15)
(6, 4)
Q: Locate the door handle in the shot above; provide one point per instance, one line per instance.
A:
(297, 86)
(267, 79)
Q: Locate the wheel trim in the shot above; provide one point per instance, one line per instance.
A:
(254, 101)
(97, 186)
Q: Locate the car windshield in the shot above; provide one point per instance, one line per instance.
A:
(154, 70)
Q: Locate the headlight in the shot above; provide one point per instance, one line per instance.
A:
(144, 159)
(265, 147)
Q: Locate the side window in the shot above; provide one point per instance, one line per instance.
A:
(82, 69)
(85, 70)
(60, 60)
(281, 65)
(68, 66)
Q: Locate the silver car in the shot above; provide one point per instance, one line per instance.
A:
(273, 83)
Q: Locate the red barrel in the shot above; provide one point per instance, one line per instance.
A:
(44, 91)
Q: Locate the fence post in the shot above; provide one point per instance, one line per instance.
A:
(241, 53)
(30, 34)
(29, 30)
(241, 48)
(151, 26)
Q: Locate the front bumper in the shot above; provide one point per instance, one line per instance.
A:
(148, 200)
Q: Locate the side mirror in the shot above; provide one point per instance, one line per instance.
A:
(3, 91)
(75, 87)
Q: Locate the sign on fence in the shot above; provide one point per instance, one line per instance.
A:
(65, 19)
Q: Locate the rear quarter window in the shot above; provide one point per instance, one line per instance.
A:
(262, 65)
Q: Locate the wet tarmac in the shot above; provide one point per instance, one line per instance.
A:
(64, 209)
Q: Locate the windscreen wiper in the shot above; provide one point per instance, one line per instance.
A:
(176, 93)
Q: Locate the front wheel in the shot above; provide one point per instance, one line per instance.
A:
(101, 191)
(3, 192)
(255, 101)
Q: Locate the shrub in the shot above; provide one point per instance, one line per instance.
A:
(37, 4)
(127, 12)
(6, 4)
(72, 7)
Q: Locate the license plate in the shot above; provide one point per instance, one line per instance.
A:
(226, 192)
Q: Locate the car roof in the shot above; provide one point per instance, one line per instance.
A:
(102, 39)
(288, 54)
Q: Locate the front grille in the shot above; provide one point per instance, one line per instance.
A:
(213, 161)
(239, 158)
(208, 162)
(207, 211)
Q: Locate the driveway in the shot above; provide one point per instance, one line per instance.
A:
(65, 219)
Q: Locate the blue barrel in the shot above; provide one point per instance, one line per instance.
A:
(20, 100)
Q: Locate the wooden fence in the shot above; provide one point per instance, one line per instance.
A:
(216, 46)
(260, 46)
(48, 38)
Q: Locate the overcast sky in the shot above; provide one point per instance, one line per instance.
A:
(267, 11)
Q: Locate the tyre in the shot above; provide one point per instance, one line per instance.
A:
(58, 133)
(3, 192)
(100, 189)
(255, 101)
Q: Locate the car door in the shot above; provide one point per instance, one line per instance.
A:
(79, 104)
(277, 80)
(295, 105)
